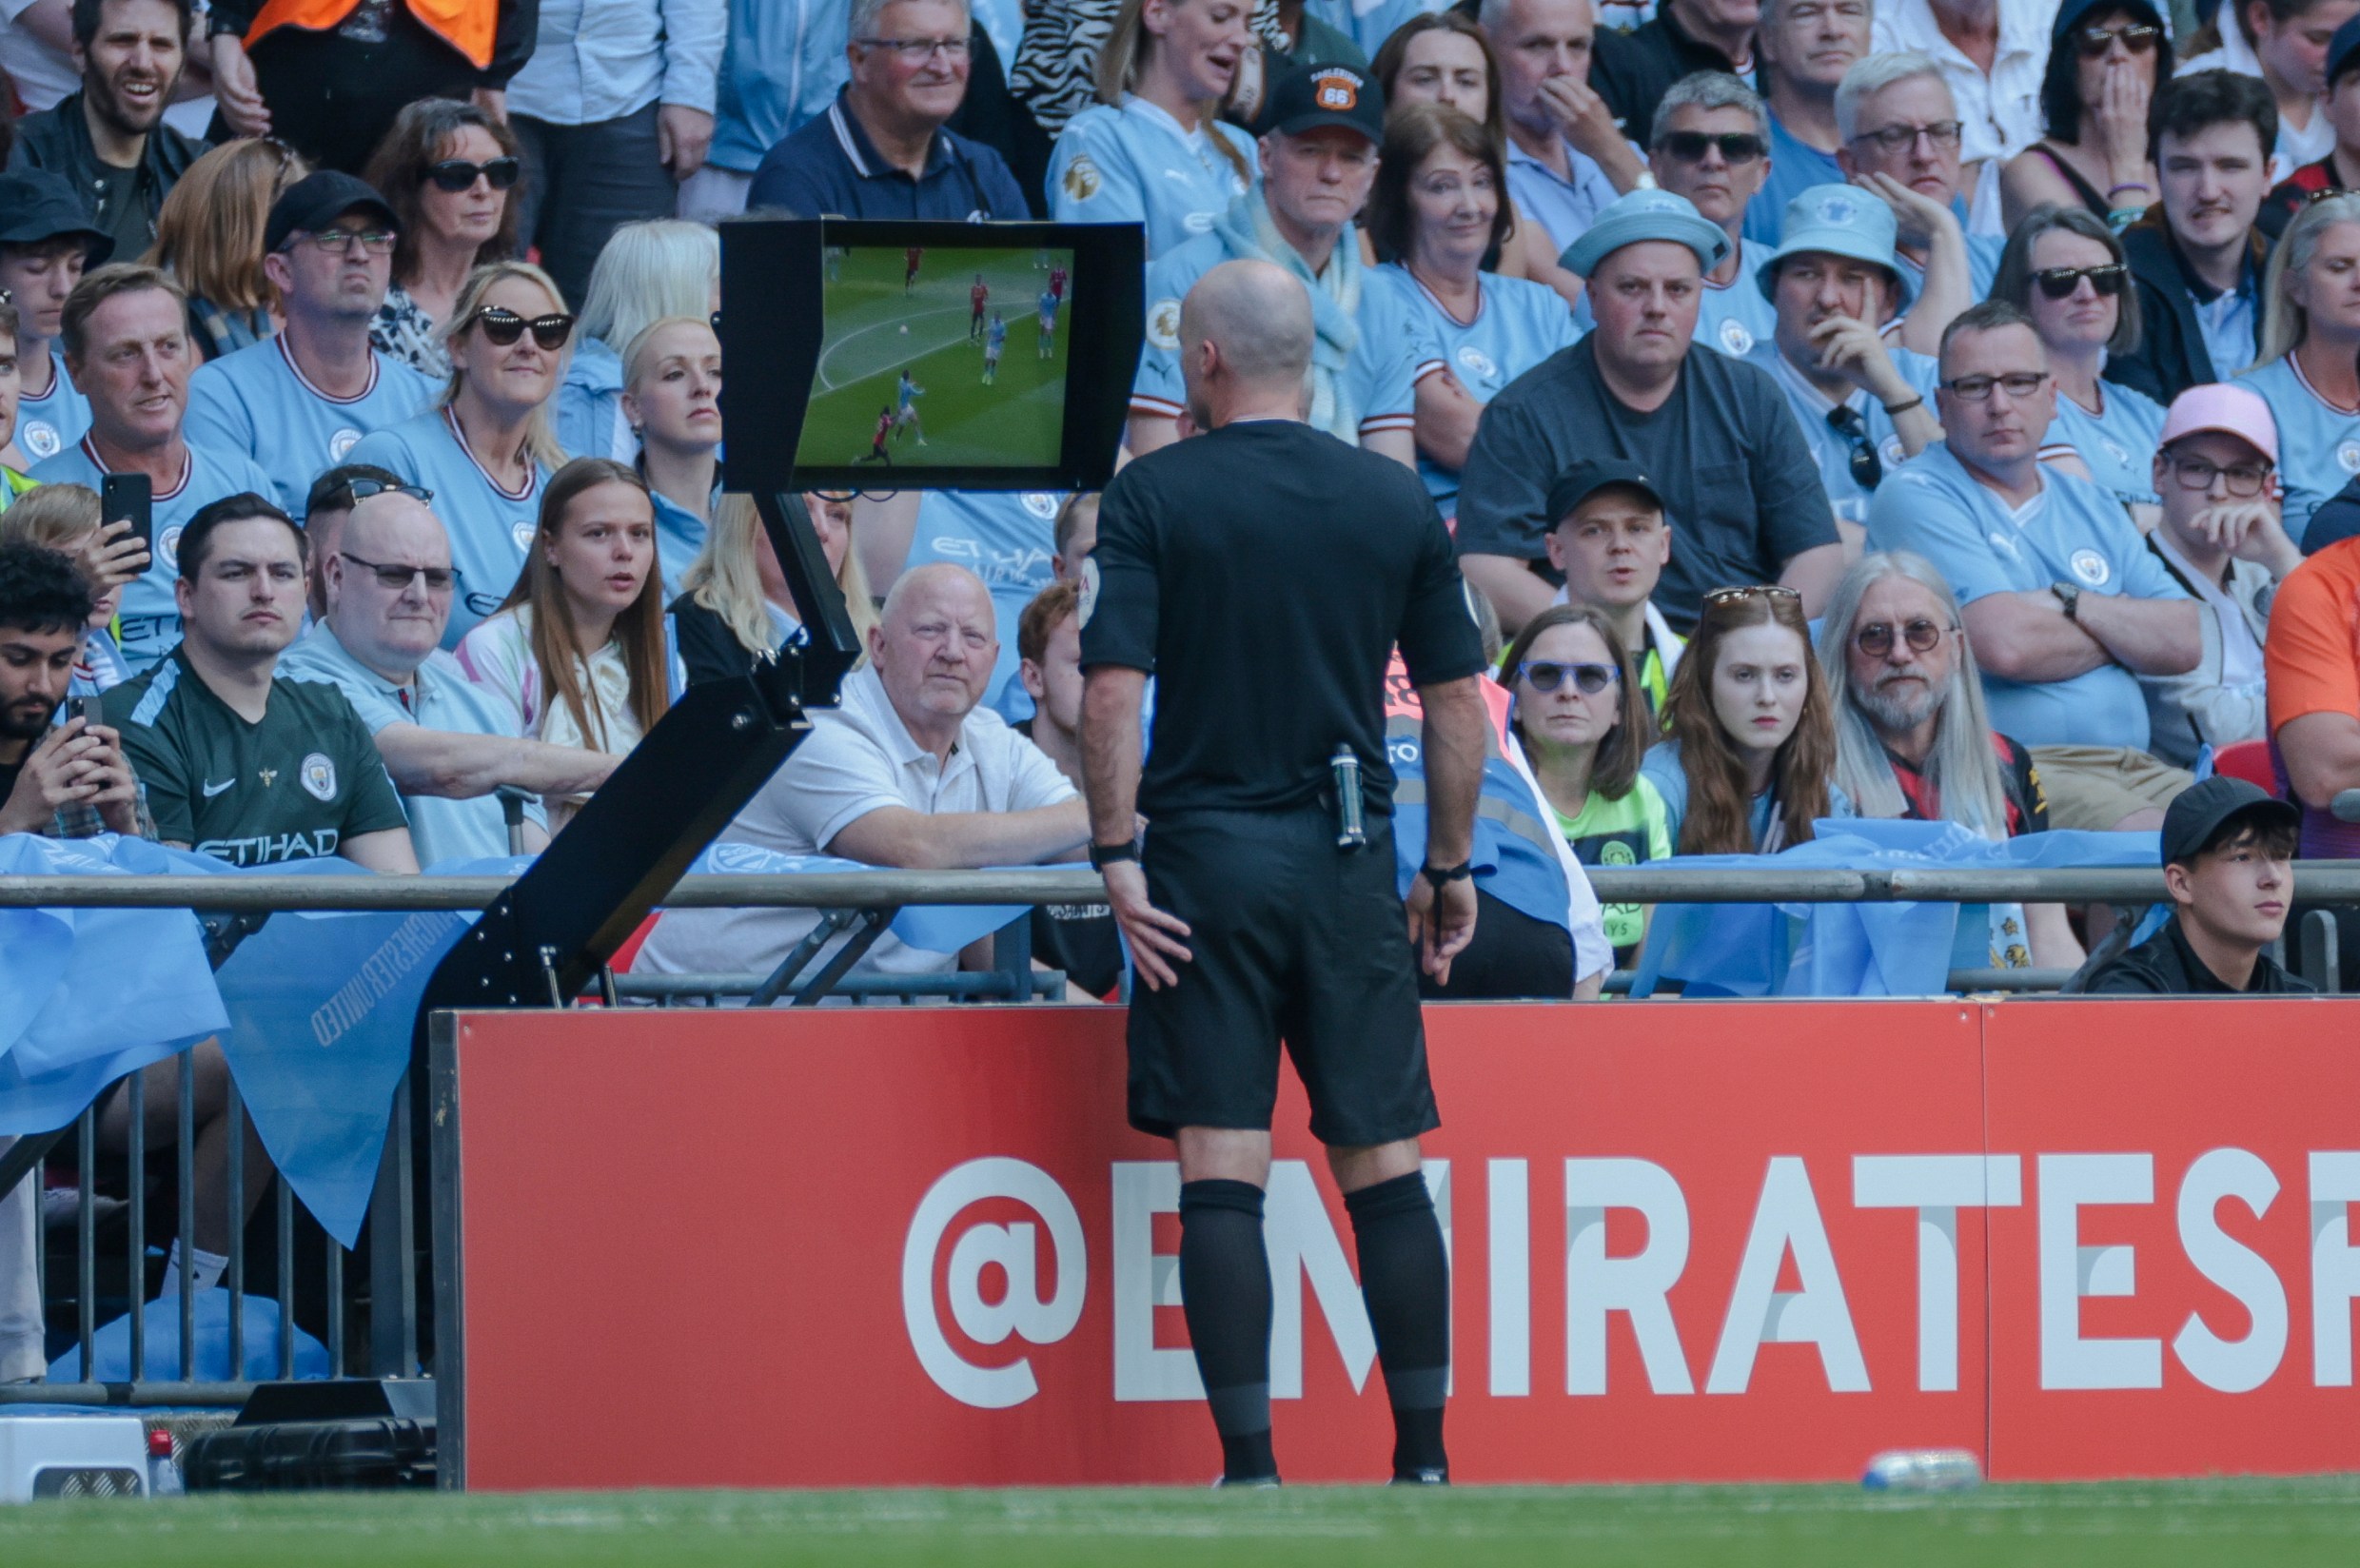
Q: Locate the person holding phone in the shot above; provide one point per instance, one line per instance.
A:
(66, 518)
(65, 780)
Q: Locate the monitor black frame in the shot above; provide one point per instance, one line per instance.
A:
(773, 327)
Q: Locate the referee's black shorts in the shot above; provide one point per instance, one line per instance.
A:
(1293, 939)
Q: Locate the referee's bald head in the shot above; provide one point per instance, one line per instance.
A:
(1258, 318)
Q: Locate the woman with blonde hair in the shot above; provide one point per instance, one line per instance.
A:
(486, 449)
(672, 396)
(1154, 150)
(2308, 368)
(648, 271)
(736, 608)
(210, 237)
(578, 647)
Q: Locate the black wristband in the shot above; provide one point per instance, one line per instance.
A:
(1896, 409)
(1439, 876)
(1103, 856)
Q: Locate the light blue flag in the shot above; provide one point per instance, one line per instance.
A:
(88, 995)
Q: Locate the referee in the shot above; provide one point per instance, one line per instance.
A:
(1264, 572)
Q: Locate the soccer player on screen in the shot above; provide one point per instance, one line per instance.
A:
(910, 259)
(1056, 279)
(1049, 323)
(975, 297)
(994, 341)
(877, 441)
(909, 393)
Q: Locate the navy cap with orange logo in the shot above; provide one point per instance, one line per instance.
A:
(1311, 96)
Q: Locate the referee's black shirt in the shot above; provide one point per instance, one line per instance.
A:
(1262, 573)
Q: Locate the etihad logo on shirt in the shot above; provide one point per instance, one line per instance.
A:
(271, 849)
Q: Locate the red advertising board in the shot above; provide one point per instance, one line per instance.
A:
(1699, 1241)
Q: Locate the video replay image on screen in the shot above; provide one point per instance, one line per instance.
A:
(939, 358)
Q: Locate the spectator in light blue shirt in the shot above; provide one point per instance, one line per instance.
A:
(1368, 23)
(1567, 157)
(2064, 604)
(1157, 151)
(299, 401)
(1835, 285)
(673, 399)
(2308, 368)
(614, 108)
(1711, 144)
(485, 449)
(2064, 268)
(47, 241)
(782, 64)
(448, 744)
(125, 333)
(1804, 47)
(1901, 132)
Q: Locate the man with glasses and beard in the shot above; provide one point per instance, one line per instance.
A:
(2062, 599)
(110, 140)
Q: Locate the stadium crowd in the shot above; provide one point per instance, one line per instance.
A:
(1941, 409)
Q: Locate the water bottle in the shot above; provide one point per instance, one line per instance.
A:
(162, 1475)
(1922, 1470)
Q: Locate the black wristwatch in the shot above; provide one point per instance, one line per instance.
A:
(2069, 595)
(1437, 877)
(1103, 856)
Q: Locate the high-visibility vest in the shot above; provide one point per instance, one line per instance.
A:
(468, 26)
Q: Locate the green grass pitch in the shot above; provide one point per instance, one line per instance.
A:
(1018, 419)
(2130, 1525)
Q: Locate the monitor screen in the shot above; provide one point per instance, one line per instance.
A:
(926, 355)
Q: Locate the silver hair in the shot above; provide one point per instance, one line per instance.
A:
(646, 271)
(2285, 324)
(1874, 74)
(1492, 15)
(1710, 90)
(1962, 768)
(862, 23)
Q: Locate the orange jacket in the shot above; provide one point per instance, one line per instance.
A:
(468, 26)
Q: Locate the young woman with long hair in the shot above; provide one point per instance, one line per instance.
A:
(1749, 759)
(2308, 368)
(579, 645)
(210, 237)
(1582, 718)
(736, 607)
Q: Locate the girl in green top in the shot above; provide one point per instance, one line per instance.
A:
(1582, 718)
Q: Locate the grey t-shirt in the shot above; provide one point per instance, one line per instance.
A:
(1740, 487)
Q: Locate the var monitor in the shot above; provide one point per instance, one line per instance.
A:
(916, 355)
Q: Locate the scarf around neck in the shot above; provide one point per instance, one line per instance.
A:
(1249, 234)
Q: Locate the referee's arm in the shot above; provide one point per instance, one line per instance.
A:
(1111, 694)
(1442, 922)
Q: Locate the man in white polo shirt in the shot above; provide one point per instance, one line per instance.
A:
(909, 771)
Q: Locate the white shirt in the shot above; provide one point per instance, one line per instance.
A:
(599, 60)
(497, 655)
(2001, 113)
(858, 759)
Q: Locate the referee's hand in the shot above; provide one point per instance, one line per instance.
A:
(1155, 935)
(1440, 928)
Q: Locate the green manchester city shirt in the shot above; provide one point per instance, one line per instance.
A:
(293, 787)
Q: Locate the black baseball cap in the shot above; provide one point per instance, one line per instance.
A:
(2343, 51)
(1584, 476)
(1311, 96)
(2201, 810)
(316, 201)
(39, 204)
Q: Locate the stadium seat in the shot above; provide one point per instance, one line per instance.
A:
(2251, 761)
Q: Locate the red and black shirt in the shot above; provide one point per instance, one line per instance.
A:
(2028, 805)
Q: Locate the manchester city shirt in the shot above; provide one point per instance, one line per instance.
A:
(490, 527)
(2318, 443)
(2117, 443)
(1136, 165)
(48, 425)
(259, 401)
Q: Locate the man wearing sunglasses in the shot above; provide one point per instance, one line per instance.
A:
(1711, 144)
(1635, 70)
(448, 743)
(299, 401)
(1834, 284)
(2063, 602)
(884, 148)
(2196, 259)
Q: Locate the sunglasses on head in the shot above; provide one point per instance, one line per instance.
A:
(2136, 36)
(1739, 593)
(2058, 283)
(503, 326)
(1875, 639)
(457, 175)
(356, 491)
(1548, 675)
(1689, 146)
(1868, 469)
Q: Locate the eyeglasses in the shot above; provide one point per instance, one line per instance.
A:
(2244, 479)
(1689, 146)
(356, 491)
(1715, 598)
(398, 579)
(1944, 134)
(377, 241)
(503, 326)
(918, 48)
(1548, 675)
(457, 175)
(1868, 469)
(1875, 639)
(2138, 37)
(2019, 386)
(2058, 283)
(838, 497)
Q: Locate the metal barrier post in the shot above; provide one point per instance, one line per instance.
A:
(2322, 963)
(233, 1121)
(85, 1239)
(1011, 956)
(393, 1250)
(287, 1280)
(184, 1175)
(135, 1100)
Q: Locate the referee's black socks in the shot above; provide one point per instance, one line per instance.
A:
(1224, 1289)
(1405, 1280)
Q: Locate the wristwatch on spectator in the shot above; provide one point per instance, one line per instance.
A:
(2069, 595)
(1103, 856)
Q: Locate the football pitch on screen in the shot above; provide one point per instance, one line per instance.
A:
(879, 323)
(2119, 1525)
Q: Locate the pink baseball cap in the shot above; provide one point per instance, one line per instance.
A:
(2219, 405)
